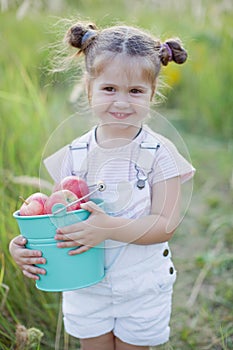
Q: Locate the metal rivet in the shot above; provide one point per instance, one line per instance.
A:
(141, 184)
(165, 252)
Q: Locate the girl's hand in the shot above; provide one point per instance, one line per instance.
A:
(26, 258)
(85, 234)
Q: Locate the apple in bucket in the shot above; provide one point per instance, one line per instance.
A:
(67, 191)
(33, 205)
(62, 197)
(76, 185)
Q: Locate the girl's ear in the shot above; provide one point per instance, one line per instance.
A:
(87, 83)
(153, 90)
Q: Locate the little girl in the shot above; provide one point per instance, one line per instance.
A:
(143, 171)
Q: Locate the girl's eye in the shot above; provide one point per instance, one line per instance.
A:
(109, 89)
(136, 91)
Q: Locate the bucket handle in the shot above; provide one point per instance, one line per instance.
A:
(100, 187)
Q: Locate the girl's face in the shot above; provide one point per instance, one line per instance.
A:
(120, 95)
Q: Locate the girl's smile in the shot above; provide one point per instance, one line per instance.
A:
(120, 116)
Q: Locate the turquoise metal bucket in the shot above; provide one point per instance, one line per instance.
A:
(44, 226)
(63, 272)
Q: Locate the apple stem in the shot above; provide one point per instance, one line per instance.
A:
(23, 200)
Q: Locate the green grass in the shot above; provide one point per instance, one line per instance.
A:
(34, 104)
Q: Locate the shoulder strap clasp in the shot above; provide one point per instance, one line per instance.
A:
(145, 161)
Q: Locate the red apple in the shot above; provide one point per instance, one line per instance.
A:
(62, 197)
(76, 185)
(33, 205)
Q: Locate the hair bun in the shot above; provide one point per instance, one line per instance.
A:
(172, 50)
(79, 35)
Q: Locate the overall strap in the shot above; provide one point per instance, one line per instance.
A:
(79, 154)
(145, 161)
(144, 164)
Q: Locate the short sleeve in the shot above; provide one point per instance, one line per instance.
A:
(59, 164)
(170, 163)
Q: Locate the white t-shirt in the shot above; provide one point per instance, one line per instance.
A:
(120, 168)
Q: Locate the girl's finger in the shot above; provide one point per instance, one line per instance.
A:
(30, 275)
(19, 240)
(27, 253)
(33, 270)
(69, 229)
(68, 244)
(34, 261)
(62, 237)
(91, 207)
(79, 250)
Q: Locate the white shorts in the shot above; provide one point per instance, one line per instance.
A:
(135, 304)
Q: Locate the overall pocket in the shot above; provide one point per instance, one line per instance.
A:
(164, 277)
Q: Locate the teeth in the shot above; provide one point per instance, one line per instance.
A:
(120, 115)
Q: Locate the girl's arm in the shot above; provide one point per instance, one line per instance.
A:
(26, 258)
(163, 220)
(157, 227)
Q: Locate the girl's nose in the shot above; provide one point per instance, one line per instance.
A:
(121, 104)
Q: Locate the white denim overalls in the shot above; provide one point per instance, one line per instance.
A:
(137, 287)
